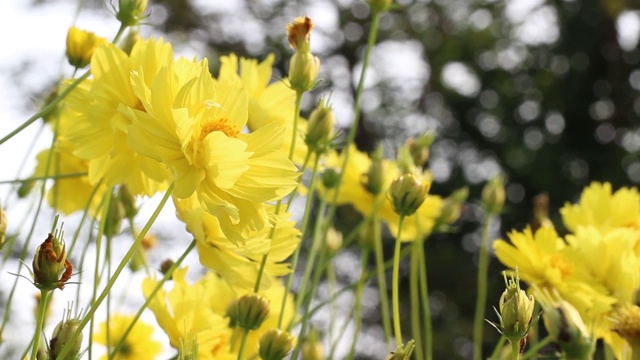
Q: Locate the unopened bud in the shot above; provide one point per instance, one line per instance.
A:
(333, 240)
(320, 128)
(312, 350)
(63, 334)
(419, 148)
(80, 46)
(330, 178)
(51, 269)
(131, 12)
(566, 327)
(373, 180)
(248, 312)
(275, 344)
(493, 196)
(407, 193)
(128, 201)
(303, 71)
(25, 188)
(114, 218)
(516, 310)
(452, 207)
(378, 6)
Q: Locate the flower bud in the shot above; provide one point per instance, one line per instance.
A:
(304, 68)
(312, 350)
(541, 212)
(320, 128)
(248, 312)
(128, 201)
(378, 6)
(63, 334)
(567, 329)
(131, 12)
(129, 41)
(3, 227)
(114, 218)
(166, 265)
(333, 240)
(51, 269)
(25, 188)
(516, 309)
(419, 148)
(330, 178)
(452, 208)
(407, 193)
(80, 46)
(373, 180)
(493, 196)
(275, 344)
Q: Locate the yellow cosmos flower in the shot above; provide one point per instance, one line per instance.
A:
(238, 264)
(602, 208)
(268, 101)
(139, 344)
(354, 192)
(99, 131)
(80, 46)
(186, 314)
(196, 130)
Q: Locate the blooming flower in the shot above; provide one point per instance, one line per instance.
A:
(138, 345)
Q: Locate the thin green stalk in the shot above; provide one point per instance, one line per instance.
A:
(414, 297)
(495, 355)
(364, 262)
(535, 348)
(94, 307)
(42, 310)
(343, 330)
(424, 296)
(151, 296)
(332, 282)
(515, 350)
(382, 282)
(243, 344)
(36, 178)
(396, 286)
(296, 113)
(481, 300)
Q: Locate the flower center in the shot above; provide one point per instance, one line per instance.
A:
(560, 263)
(220, 124)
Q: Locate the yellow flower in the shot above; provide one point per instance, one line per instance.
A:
(268, 102)
(196, 130)
(186, 314)
(239, 263)
(80, 46)
(99, 130)
(353, 192)
(139, 344)
(603, 209)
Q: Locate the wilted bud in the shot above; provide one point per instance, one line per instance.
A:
(333, 240)
(304, 67)
(320, 128)
(131, 12)
(3, 227)
(516, 309)
(452, 207)
(330, 178)
(80, 46)
(402, 352)
(567, 329)
(275, 344)
(378, 6)
(493, 196)
(51, 269)
(407, 193)
(248, 312)
(373, 180)
(63, 334)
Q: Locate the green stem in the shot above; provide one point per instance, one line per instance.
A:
(382, 282)
(535, 348)
(359, 290)
(424, 296)
(36, 178)
(481, 300)
(151, 296)
(42, 310)
(415, 299)
(396, 286)
(332, 281)
(515, 350)
(125, 260)
(495, 355)
(243, 344)
(296, 119)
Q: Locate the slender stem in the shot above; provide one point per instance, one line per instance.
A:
(125, 260)
(359, 290)
(382, 282)
(42, 310)
(495, 355)
(533, 349)
(414, 296)
(296, 118)
(35, 178)
(151, 296)
(243, 344)
(515, 350)
(424, 296)
(481, 300)
(396, 286)
(332, 282)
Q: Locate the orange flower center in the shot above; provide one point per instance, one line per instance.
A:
(221, 124)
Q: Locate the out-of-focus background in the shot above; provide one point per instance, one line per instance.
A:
(544, 92)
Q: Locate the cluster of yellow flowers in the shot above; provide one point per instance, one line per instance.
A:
(595, 267)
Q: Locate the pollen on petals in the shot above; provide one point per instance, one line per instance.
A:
(220, 124)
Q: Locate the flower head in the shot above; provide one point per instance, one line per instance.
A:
(139, 343)
(80, 46)
(51, 269)
(275, 344)
(407, 193)
(299, 33)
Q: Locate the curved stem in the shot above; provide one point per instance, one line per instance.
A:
(243, 344)
(496, 351)
(396, 286)
(42, 310)
(481, 300)
(533, 349)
